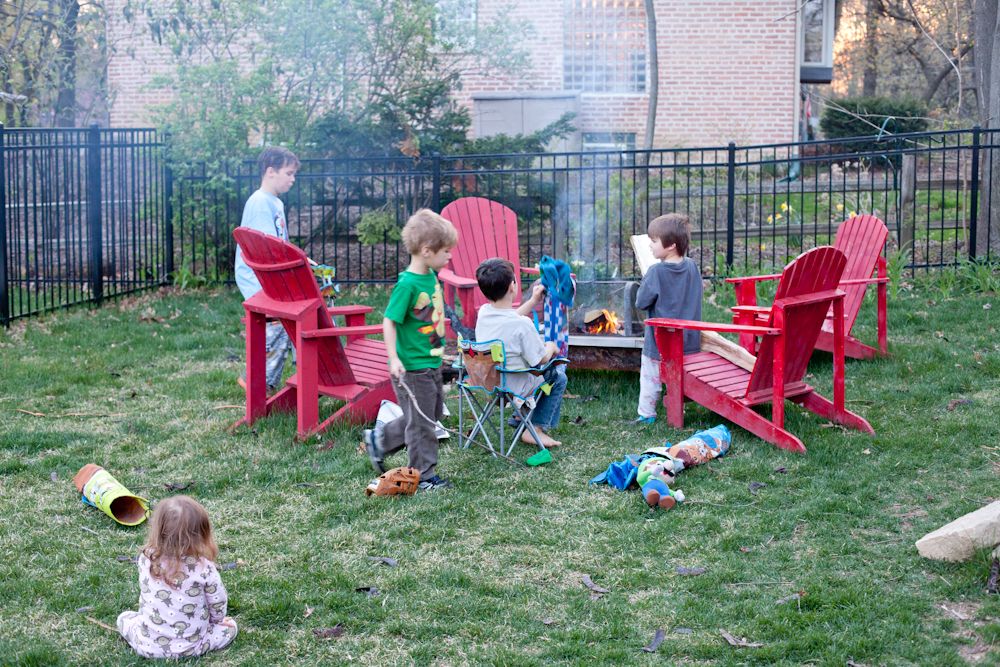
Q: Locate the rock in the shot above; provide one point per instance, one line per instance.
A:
(960, 539)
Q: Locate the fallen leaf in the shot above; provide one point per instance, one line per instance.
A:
(305, 484)
(127, 559)
(548, 621)
(329, 633)
(866, 451)
(54, 476)
(754, 486)
(955, 402)
(595, 591)
(690, 571)
(178, 486)
(324, 446)
(579, 421)
(84, 610)
(683, 631)
(370, 591)
(309, 612)
(746, 550)
(228, 566)
(657, 640)
(740, 642)
(851, 663)
(987, 306)
(781, 470)
(384, 560)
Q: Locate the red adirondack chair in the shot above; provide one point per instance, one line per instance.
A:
(861, 239)
(485, 229)
(807, 289)
(354, 370)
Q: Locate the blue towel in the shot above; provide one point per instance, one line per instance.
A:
(557, 279)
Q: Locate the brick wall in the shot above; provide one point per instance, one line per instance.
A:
(727, 71)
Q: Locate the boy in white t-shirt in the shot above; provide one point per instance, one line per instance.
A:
(524, 347)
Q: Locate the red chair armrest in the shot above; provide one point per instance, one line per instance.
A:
(451, 278)
(758, 310)
(864, 281)
(349, 310)
(364, 330)
(753, 279)
(670, 323)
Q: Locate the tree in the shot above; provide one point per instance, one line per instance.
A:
(46, 50)
(313, 73)
(987, 49)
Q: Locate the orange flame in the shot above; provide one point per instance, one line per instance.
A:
(609, 324)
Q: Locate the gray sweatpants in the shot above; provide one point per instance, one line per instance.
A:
(413, 430)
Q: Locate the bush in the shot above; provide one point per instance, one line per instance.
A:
(862, 113)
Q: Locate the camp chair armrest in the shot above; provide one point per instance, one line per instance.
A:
(451, 278)
(670, 323)
(349, 310)
(264, 305)
(753, 279)
(363, 330)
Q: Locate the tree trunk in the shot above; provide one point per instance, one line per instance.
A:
(987, 49)
(654, 74)
(69, 12)
(870, 75)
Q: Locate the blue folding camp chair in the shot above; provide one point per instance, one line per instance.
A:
(483, 389)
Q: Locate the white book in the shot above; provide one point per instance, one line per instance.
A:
(643, 252)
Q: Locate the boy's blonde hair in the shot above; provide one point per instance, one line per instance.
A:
(425, 228)
(672, 229)
(179, 529)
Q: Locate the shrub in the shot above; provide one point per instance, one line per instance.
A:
(862, 116)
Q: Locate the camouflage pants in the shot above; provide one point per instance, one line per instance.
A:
(277, 346)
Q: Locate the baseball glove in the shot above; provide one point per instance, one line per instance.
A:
(398, 481)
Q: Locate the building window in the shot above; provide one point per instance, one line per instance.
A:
(455, 23)
(604, 46)
(816, 52)
(609, 141)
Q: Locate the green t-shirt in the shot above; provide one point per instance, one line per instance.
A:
(417, 307)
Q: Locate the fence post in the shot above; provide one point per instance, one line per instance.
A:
(168, 212)
(4, 287)
(94, 235)
(974, 200)
(730, 205)
(436, 183)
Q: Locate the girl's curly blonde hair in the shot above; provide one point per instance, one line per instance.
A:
(178, 529)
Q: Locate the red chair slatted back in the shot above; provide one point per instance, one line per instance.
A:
(485, 229)
(285, 275)
(816, 270)
(861, 239)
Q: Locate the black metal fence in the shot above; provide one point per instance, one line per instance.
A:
(87, 214)
(82, 217)
(752, 208)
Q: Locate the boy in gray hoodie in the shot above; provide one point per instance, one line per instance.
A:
(671, 288)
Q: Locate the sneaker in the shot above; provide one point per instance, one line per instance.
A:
(645, 421)
(373, 445)
(434, 483)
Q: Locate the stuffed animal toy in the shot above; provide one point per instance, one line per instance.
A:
(659, 467)
(658, 494)
(398, 481)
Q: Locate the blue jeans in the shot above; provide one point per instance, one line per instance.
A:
(546, 415)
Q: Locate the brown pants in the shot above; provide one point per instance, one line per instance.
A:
(413, 430)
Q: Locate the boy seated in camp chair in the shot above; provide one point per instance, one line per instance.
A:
(523, 345)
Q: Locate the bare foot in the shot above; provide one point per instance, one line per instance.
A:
(547, 440)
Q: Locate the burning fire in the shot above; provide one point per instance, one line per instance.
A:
(604, 322)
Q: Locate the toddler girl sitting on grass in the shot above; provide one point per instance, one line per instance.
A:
(182, 602)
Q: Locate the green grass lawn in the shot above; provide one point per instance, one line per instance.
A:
(490, 572)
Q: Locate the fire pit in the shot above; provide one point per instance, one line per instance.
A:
(606, 330)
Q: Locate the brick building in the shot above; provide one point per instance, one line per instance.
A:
(729, 70)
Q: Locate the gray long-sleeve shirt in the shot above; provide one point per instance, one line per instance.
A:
(671, 289)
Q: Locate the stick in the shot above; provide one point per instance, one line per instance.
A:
(103, 625)
(228, 407)
(29, 412)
